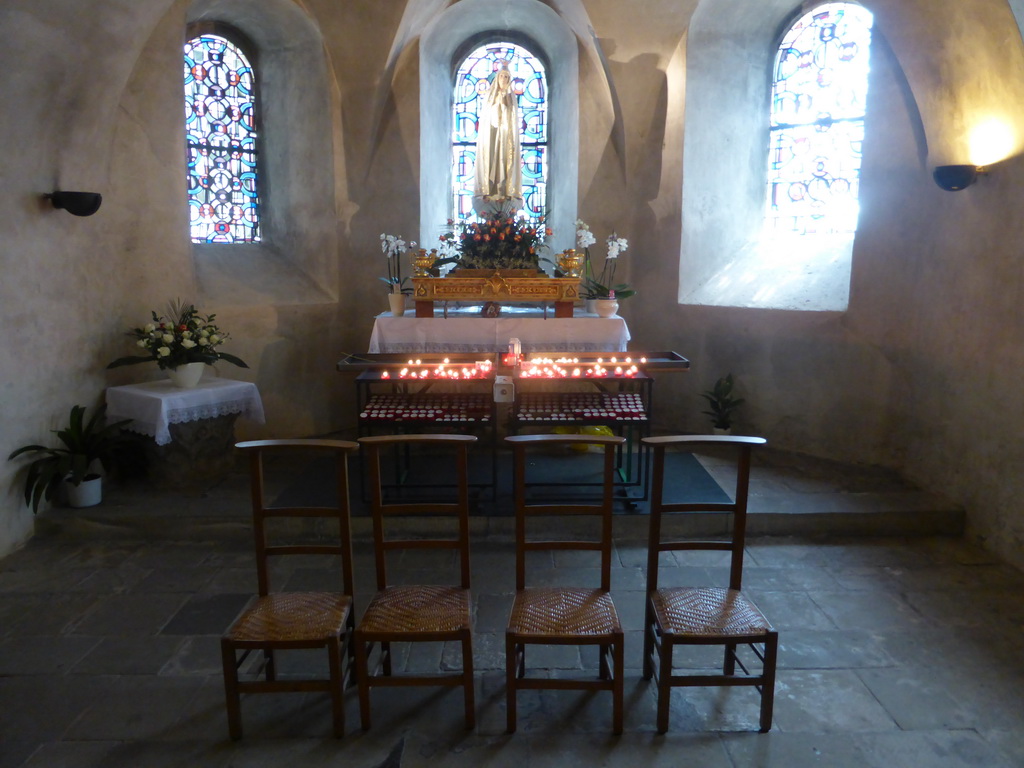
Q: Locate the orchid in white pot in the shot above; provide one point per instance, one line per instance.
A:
(393, 247)
(601, 286)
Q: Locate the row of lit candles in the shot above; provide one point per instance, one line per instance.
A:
(571, 368)
(539, 368)
(481, 369)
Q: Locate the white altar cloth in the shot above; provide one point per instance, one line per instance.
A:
(154, 405)
(468, 332)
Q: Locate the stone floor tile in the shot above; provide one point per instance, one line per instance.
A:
(43, 655)
(833, 649)
(205, 614)
(126, 615)
(827, 701)
(930, 749)
(793, 750)
(869, 610)
(127, 655)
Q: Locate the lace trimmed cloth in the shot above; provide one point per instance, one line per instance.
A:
(154, 405)
(461, 333)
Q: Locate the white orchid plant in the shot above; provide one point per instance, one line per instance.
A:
(184, 336)
(602, 286)
(393, 247)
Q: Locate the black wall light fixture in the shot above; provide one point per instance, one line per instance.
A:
(953, 178)
(76, 203)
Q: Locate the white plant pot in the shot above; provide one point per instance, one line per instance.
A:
(87, 493)
(397, 302)
(606, 307)
(720, 431)
(186, 376)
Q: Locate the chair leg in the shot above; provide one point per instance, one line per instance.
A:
(771, 651)
(729, 663)
(363, 680)
(231, 696)
(618, 683)
(468, 683)
(664, 682)
(510, 683)
(335, 665)
(649, 630)
(268, 664)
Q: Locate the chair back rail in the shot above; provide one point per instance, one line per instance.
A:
(524, 509)
(459, 508)
(738, 507)
(257, 451)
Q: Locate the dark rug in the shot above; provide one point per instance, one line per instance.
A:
(568, 475)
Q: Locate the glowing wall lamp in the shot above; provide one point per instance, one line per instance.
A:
(76, 203)
(953, 178)
(989, 141)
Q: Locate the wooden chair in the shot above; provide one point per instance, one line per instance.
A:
(416, 613)
(278, 620)
(564, 615)
(705, 615)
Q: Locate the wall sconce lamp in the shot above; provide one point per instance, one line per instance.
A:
(953, 178)
(76, 203)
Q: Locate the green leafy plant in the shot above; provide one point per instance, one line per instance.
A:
(183, 337)
(83, 442)
(722, 403)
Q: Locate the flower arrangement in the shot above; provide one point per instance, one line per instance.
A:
(393, 247)
(604, 285)
(183, 337)
(496, 242)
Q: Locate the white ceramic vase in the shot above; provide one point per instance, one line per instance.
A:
(606, 307)
(186, 376)
(87, 493)
(397, 302)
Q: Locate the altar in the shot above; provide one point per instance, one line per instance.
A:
(463, 330)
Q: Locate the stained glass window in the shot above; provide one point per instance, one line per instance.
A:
(220, 139)
(817, 121)
(530, 83)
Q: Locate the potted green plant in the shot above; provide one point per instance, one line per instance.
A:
(722, 403)
(83, 444)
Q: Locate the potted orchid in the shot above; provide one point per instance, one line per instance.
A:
(393, 247)
(182, 343)
(602, 287)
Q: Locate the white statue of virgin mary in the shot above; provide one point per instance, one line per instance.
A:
(499, 174)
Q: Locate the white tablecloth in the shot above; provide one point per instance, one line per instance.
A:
(155, 405)
(464, 332)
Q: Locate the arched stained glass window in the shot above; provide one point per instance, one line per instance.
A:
(817, 121)
(220, 139)
(530, 83)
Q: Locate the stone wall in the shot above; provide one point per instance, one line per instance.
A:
(918, 374)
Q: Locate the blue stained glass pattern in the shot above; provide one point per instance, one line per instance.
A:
(817, 121)
(220, 140)
(530, 83)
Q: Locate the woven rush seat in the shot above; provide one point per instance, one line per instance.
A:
(563, 611)
(708, 611)
(417, 608)
(291, 617)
